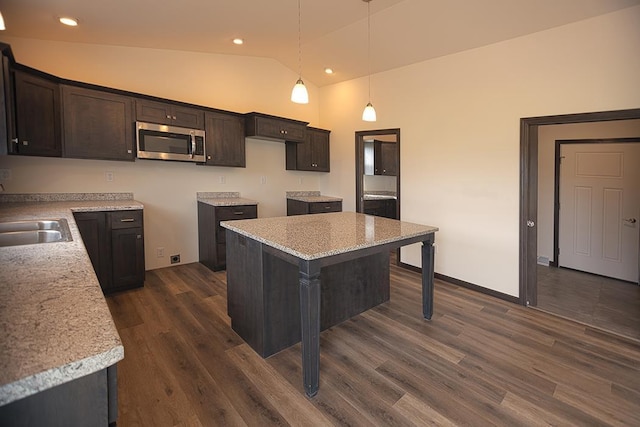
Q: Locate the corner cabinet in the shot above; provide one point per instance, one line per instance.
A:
(260, 125)
(37, 116)
(212, 240)
(114, 241)
(97, 124)
(169, 114)
(381, 207)
(225, 144)
(312, 154)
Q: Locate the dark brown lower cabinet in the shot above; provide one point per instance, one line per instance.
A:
(212, 244)
(298, 207)
(381, 207)
(91, 400)
(115, 244)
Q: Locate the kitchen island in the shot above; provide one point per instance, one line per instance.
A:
(290, 277)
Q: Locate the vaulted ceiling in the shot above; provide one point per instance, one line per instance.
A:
(334, 32)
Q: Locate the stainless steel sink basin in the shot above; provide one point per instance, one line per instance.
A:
(31, 232)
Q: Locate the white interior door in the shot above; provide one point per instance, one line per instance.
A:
(599, 219)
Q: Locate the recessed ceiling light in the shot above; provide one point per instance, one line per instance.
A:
(238, 41)
(328, 70)
(72, 22)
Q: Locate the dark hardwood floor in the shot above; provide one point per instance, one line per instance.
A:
(479, 361)
(602, 302)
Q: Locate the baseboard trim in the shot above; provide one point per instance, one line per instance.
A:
(462, 283)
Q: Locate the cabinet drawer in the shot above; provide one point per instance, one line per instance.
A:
(321, 207)
(226, 213)
(125, 219)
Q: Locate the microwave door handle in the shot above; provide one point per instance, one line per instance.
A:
(193, 144)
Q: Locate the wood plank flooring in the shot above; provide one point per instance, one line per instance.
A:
(609, 304)
(480, 361)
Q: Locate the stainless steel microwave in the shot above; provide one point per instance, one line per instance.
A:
(163, 142)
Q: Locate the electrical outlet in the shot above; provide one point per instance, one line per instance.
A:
(263, 180)
(301, 180)
(222, 179)
(160, 252)
(5, 174)
(175, 259)
(108, 176)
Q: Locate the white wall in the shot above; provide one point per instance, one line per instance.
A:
(168, 189)
(547, 136)
(459, 117)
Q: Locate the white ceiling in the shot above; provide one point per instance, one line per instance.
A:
(334, 32)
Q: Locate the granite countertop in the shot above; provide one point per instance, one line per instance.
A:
(55, 325)
(379, 197)
(311, 197)
(317, 236)
(223, 199)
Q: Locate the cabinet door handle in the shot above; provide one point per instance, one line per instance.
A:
(127, 220)
(14, 140)
(238, 213)
(138, 236)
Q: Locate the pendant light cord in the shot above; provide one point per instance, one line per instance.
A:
(299, 44)
(369, 43)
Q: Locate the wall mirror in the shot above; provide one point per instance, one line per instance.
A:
(378, 172)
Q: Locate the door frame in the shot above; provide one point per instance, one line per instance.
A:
(556, 185)
(528, 286)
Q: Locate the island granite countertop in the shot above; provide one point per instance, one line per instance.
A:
(55, 325)
(316, 236)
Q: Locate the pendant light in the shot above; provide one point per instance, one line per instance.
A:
(2, 27)
(369, 113)
(299, 94)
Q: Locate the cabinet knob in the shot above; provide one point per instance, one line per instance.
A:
(138, 236)
(168, 116)
(174, 117)
(129, 151)
(25, 142)
(209, 157)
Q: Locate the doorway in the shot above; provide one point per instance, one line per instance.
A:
(378, 172)
(529, 133)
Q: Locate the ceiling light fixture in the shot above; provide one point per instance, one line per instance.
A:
(71, 22)
(2, 27)
(238, 41)
(369, 113)
(299, 94)
(328, 70)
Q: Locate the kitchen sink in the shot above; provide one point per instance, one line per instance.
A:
(30, 232)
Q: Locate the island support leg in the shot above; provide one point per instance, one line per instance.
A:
(310, 324)
(427, 278)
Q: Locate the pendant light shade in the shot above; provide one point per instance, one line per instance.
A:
(2, 27)
(369, 113)
(299, 94)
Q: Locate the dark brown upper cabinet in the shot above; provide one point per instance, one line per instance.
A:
(385, 158)
(97, 124)
(312, 154)
(37, 117)
(169, 114)
(274, 128)
(224, 139)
